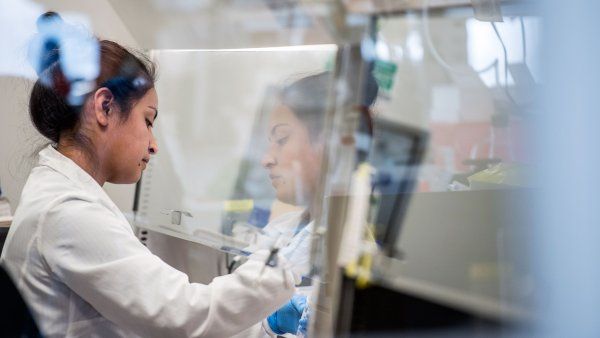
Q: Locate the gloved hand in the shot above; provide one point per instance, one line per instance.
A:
(303, 323)
(287, 318)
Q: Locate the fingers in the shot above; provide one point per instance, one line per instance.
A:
(299, 302)
(303, 324)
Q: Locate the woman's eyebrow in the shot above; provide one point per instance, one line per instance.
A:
(279, 125)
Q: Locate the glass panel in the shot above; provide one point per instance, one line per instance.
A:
(462, 91)
(233, 154)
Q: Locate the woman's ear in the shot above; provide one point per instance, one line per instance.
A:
(102, 105)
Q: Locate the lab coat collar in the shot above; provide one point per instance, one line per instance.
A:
(288, 223)
(52, 158)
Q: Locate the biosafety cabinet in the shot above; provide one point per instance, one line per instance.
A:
(420, 112)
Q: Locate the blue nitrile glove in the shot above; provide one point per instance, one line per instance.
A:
(287, 318)
(303, 323)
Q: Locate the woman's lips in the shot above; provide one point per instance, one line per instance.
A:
(275, 180)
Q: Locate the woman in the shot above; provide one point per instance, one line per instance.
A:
(294, 155)
(293, 162)
(72, 253)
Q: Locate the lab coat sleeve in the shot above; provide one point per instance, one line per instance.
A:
(96, 254)
(267, 328)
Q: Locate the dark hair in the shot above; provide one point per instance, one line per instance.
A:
(308, 98)
(126, 75)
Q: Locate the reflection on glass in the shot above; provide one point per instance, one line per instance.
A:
(214, 135)
(79, 56)
(291, 160)
(472, 97)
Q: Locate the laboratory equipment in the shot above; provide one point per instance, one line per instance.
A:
(471, 272)
(215, 173)
(396, 153)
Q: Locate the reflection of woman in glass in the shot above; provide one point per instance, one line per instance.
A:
(293, 157)
(293, 162)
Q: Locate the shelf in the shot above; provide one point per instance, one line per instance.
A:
(210, 239)
(5, 222)
(6, 217)
(483, 305)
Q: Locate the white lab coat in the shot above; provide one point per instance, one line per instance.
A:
(295, 247)
(83, 272)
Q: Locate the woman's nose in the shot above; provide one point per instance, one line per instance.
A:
(268, 160)
(153, 146)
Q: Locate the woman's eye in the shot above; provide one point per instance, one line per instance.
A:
(282, 140)
(148, 123)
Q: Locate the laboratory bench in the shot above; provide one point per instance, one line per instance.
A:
(462, 267)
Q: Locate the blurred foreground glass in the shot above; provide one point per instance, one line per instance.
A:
(462, 263)
(235, 155)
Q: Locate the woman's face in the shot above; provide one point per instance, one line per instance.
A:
(293, 162)
(132, 141)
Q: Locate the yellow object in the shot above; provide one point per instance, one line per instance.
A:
(364, 271)
(351, 269)
(507, 175)
(357, 218)
(238, 205)
(358, 234)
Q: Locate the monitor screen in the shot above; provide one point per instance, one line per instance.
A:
(396, 152)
